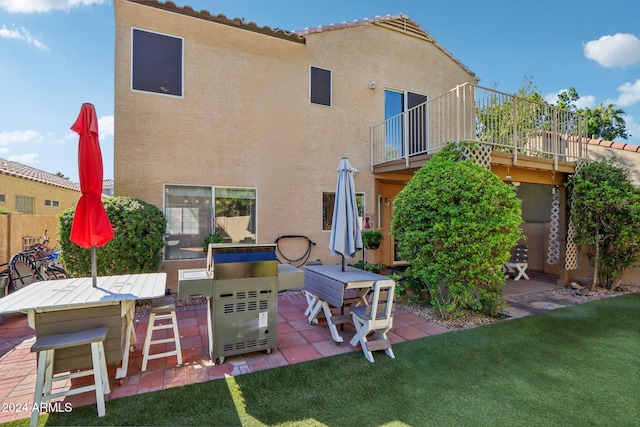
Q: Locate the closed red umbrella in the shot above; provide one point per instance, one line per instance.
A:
(91, 226)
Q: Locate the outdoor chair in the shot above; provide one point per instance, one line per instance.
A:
(162, 309)
(518, 263)
(375, 320)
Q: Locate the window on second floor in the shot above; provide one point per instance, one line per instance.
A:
(320, 86)
(156, 63)
(53, 203)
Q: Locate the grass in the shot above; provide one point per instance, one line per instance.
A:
(575, 366)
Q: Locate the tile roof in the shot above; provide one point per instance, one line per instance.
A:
(615, 145)
(221, 19)
(400, 22)
(19, 170)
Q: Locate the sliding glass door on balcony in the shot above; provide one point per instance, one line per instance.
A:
(405, 133)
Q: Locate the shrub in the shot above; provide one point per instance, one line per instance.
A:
(455, 223)
(139, 229)
(606, 216)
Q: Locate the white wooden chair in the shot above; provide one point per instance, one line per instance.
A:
(162, 309)
(518, 264)
(375, 319)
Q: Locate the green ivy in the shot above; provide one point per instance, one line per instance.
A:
(139, 230)
(455, 223)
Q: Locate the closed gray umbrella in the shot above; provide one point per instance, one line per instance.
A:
(345, 236)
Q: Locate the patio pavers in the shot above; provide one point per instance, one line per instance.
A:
(297, 342)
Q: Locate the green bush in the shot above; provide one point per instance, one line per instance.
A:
(606, 216)
(139, 230)
(455, 223)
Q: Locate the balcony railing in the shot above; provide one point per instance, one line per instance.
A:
(472, 113)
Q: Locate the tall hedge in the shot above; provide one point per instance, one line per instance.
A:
(606, 216)
(455, 223)
(139, 230)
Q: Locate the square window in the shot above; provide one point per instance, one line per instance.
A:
(328, 202)
(47, 202)
(320, 86)
(24, 205)
(194, 212)
(156, 63)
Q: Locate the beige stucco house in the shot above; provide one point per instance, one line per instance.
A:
(237, 128)
(32, 200)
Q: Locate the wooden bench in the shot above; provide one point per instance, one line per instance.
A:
(46, 347)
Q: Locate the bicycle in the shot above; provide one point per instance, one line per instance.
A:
(37, 263)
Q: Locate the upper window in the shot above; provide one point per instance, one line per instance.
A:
(320, 86)
(2, 198)
(53, 203)
(328, 202)
(156, 63)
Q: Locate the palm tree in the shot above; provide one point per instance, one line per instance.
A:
(606, 122)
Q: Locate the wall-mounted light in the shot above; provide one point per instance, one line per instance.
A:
(372, 85)
(515, 183)
(387, 201)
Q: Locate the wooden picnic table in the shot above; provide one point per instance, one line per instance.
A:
(325, 287)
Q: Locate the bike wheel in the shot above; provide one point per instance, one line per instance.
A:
(21, 275)
(56, 273)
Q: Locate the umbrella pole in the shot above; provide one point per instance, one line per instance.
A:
(94, 267)
(342, 262)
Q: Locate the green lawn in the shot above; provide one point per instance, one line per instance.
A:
(575, 366)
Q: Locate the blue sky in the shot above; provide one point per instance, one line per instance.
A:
(57, 54)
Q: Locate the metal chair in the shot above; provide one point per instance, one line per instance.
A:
(375, 319)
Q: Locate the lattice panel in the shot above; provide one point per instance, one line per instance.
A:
(481, 153)
(572, 257)
(553, 254)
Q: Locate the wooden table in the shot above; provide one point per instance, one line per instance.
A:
(71, 305)
(325, 286)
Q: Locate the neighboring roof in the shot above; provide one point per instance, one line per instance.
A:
(400, 22)
(19, 170)
(107, 183)
(615, 145)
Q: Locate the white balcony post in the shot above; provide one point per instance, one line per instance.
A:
(515, 132)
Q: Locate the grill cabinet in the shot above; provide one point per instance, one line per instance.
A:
(241, 282)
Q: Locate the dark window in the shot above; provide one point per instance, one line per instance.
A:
(2, 198)
(320, 86)
(328, 202)
(156, 63)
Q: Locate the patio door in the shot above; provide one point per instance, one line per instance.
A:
(405, 132)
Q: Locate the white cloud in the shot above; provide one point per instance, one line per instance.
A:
(618, 50)
(19, 137)
(36, 6)
(21, 34)
(28, 158)
(587, 101)
(629, 95)
(105, 127)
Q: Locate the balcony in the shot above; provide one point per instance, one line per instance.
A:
(518, 131)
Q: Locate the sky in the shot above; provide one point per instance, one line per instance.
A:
(57, 54)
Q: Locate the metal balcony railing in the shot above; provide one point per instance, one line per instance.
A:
(468, 112)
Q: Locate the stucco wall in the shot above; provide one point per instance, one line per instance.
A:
(14, 227)
(12, 186)
(245, 119)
